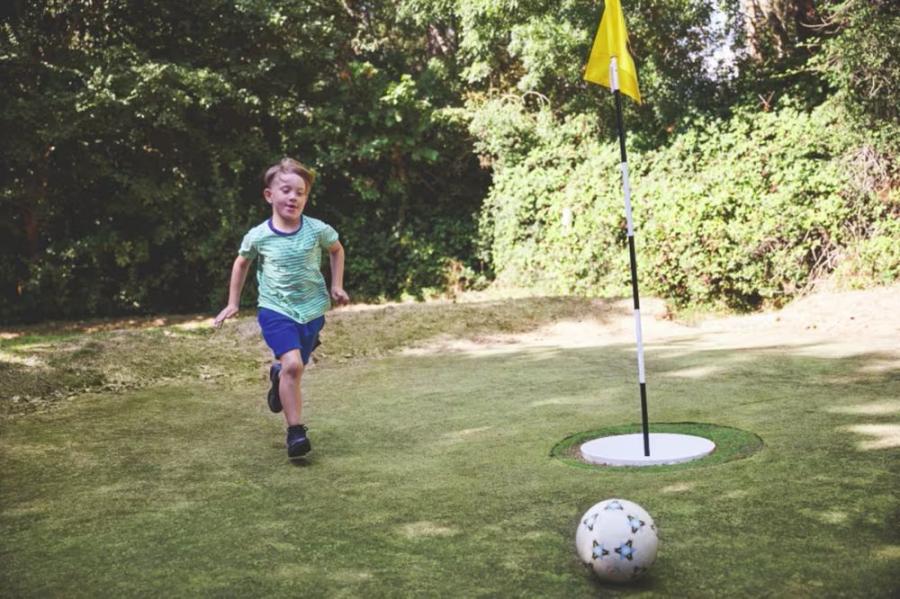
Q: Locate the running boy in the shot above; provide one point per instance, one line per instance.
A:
(292, 295)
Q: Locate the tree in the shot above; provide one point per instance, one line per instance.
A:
(132, 146)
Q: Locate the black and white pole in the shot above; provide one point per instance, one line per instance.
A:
(626, 187)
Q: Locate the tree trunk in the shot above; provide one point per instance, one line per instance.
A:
(774, 28)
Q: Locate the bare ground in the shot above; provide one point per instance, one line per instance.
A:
(826, 323)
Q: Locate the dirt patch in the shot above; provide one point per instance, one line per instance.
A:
(832, 323)
(828, 322)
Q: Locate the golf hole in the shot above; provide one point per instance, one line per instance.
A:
(672, 445)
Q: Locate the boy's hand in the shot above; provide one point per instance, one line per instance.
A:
(228, 312)
(340, 296)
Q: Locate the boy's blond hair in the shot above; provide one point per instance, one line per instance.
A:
(289, 165)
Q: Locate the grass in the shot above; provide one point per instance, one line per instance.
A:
(432, 475)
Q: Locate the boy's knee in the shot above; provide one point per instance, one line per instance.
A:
(291, 365)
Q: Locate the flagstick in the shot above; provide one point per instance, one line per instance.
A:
(614, 85)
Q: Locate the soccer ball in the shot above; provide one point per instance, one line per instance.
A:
(617, 538)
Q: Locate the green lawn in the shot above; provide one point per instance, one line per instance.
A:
(432, 475)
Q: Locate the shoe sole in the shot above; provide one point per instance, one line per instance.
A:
(272, 398)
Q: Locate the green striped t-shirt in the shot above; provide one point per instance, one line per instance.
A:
(289, 270)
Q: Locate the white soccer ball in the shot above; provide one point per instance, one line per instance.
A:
(617, 539)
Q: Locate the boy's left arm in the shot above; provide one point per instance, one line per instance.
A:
(336, 256)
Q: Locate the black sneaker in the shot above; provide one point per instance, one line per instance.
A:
(273, 397)
(297, 442)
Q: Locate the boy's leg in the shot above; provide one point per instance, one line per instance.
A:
(296, 360)
(289, 341)
(298, 443)
(273, 398)
(283, 337)
(293, 362)
(289, 386)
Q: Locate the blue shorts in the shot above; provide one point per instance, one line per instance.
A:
(284, 334)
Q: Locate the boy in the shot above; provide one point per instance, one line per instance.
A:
(292, 294)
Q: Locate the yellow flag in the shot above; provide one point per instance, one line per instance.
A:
(612, 41)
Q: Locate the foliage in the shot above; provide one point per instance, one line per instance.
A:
(875, 259)
(750, 210)
(539, 46)
(131, 147)
(862, 61)
(744, 199)
(736, 212)
(559, 168)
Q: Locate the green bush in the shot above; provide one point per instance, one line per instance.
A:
(549, 221)
(875, 259)
(734, 213)
(748, 210)
(132, 149)
(862, 60)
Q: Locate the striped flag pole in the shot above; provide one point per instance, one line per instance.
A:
(626, 187)
(610, 59)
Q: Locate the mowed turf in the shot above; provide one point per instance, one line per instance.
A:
(431, 476)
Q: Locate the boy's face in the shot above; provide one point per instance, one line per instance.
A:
(288, 194)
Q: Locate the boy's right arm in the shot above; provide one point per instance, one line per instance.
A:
(238, 276)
